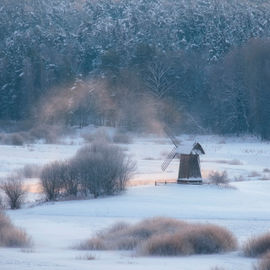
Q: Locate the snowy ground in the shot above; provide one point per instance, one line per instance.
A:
(57, 227)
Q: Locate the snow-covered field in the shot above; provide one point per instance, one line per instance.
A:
(57, 227)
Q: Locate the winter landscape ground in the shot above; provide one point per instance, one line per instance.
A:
(57, 227)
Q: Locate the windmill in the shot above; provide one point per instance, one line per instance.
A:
(189, 154)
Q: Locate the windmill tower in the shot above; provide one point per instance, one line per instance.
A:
(189, 154)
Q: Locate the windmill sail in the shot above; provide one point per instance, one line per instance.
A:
(168, 160)
(172, 138)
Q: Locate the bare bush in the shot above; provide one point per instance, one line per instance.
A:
(266, 170)
(99, 135)
(103, 169)
(48, 133)
(239, 178)
(17, 139)
(264, 262)
(254, 174)
(87, 257)
(99, 169)
(10, 236)
(163, 236)
(70, 182)
(257, 246)
(121, 138)
(51, 179)
(265, 177)
(219, 178)
(14, 191)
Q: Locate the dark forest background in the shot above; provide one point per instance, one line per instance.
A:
(194, 65)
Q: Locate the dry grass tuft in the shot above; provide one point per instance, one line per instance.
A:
(10, 236)
(219, 178)
(87, 257)
(230, 162)
(254, 174)
(163, 237)
(264, 262)
(123, 236)
(257, 246)
(195, 239)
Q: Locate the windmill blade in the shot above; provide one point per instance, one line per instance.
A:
(170, 135)
(168, 160)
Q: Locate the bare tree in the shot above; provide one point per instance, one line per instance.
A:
(157, 79)
(14, 190)
(51, 179)
(70, 182)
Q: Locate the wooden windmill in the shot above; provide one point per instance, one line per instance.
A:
(189, 154)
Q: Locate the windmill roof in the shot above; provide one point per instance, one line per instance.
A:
(190, 148)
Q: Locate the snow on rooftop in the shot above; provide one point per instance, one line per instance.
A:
(187, 147)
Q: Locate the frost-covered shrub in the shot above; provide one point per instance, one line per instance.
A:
(13, 188)
(103, 169)
(10, 236)
(219, 178)
(257, 246)
(163, 236)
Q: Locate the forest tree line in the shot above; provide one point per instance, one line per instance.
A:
(196, 66)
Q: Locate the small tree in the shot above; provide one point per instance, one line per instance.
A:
(14, 190)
